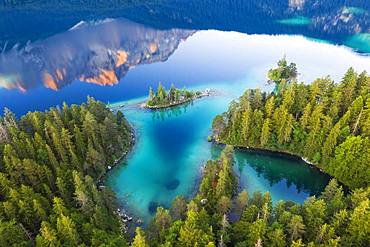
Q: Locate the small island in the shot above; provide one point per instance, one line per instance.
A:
(174, 97)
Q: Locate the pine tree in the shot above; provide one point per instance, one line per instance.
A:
(161, 93)
(66, 230)
(178, 209)
(359, 226)
(196, 230)
(241, 202)
(296, 227)
(140, 239)
(265, 132)
(48, 236)
(348, 88)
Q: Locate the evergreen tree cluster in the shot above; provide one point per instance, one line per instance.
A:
(161, 98)
(217, 216)
(49, 167)
(327, 123)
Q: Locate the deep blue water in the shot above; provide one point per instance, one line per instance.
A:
(115, 56)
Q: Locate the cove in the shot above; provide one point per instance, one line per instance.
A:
(172, 147)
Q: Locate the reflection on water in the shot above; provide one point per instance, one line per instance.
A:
(280, 171)
(334, 20)
(285, 177)
(206, 57)
(163, 114)
(360, 40)
(99, 53)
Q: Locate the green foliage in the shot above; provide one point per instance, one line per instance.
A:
(51, 163)
(12, 234)
(324, 122)
(140, 239)
(351, 161)
(159, 225)
(179, 208)
(196, 230)
(282, 75)
(174, 96)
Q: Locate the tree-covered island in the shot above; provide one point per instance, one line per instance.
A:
(175, 96)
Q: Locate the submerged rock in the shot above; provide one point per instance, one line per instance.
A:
(153, 207)
(173, 184)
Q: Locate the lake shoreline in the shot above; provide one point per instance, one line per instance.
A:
(132, 142)
(204, 93)
(285, 155)
(279, 153)
(122, 212)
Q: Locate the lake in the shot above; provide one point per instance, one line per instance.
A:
(115, 57)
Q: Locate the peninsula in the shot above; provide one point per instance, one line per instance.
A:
(174, 97)
(325, 123)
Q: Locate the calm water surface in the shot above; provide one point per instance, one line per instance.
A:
(115, 60)
(172, 147)
(172, 144)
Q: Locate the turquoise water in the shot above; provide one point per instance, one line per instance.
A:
(166, 160)
(172, 147)
(355, 10)
(296, 21)
(360, 40)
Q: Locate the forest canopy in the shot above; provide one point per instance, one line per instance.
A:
(50, 164)
(327, 123)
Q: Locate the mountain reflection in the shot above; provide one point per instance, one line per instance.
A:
(336, 21)
(96, 52)
(102, 52)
